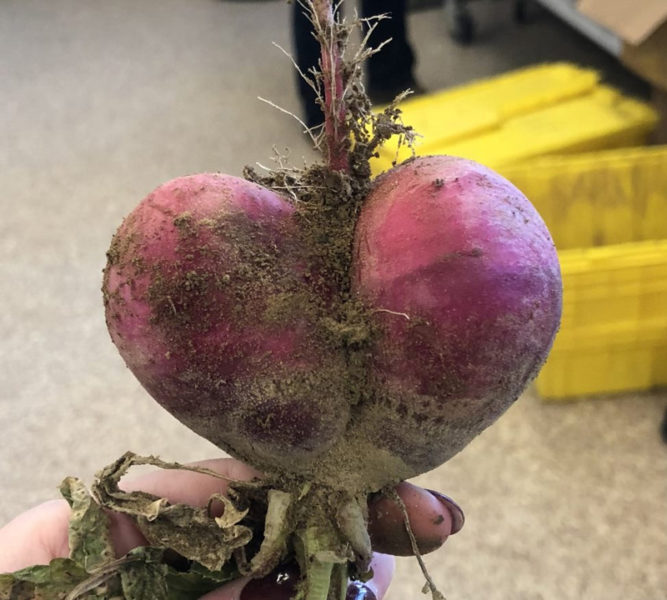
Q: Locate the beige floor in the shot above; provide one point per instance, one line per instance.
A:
(100, 102)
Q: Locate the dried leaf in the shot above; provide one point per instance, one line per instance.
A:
(150, 578)
(194, 534)
(44, 582)
(230, 514)
(142, 574)
(189, 530)
(89, 539)
(145, 579)
(93, 573)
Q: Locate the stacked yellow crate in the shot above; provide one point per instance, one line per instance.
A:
(548, 109)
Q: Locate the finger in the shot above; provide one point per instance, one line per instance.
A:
(189, 487)
(35, 537)
(125, 535)
(383, 570)
(458, 518)
(433, 517)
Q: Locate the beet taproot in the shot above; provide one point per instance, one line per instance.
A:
(209, 298)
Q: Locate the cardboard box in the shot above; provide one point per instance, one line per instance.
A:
(642, 26)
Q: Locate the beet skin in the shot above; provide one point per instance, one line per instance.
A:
(217, 305)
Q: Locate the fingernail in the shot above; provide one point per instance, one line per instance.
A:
(359, 591)
(277, 585)
(458, 518)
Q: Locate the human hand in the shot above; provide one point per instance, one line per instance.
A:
(41, 534)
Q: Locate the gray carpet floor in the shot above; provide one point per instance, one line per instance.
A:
(102, 101)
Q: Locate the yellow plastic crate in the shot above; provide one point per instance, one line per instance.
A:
(609, 359)
(613, 284)
(483, 105)
(607, 212)
(602, 119)
(547, 109)
(598, 198)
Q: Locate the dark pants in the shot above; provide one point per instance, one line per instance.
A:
(388, 72)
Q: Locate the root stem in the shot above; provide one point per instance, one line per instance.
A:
(324, 563)
(430, 585)
(276, 531)
(352, 525)
(334, 106)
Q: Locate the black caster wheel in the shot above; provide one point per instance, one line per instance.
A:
(462, 28)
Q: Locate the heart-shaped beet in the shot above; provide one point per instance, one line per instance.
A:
(220, 302)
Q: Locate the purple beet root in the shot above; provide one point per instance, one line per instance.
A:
(217, 305)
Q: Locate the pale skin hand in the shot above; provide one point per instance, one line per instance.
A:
(40, 534)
